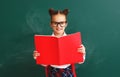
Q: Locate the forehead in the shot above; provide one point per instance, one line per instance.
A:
(58, 17)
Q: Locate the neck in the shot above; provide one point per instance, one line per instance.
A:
(58, 34)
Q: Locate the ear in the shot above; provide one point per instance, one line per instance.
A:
(50, 24)
(65, 11)
(51, 11)
(66, 24)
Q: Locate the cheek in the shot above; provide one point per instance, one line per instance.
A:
(54, 28)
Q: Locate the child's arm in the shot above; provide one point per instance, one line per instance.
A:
(82, 50)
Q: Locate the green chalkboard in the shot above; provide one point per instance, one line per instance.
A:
(97, 20)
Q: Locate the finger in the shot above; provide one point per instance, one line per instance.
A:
(81, 45)
(38, 54)
(34, 57)
(81, 50)
(35, 51)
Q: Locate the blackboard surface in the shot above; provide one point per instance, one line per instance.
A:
(97, 20)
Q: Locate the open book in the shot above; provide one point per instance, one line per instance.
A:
(58, 51)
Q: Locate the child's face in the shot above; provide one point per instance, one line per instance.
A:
(58, 23)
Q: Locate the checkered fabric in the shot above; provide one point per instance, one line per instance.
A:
(56, 72)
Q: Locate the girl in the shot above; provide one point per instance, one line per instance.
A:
(58, 24)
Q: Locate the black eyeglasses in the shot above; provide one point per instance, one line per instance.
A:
(62, 23)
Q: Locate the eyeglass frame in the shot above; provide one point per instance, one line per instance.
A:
(58, 23)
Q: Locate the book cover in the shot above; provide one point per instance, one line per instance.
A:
(58, 51)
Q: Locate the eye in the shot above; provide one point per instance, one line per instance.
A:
(62, 22)
(56, 23)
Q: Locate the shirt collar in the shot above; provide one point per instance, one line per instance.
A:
(63, 34)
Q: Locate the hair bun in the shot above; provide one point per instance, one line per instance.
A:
(51, 11)
(65, 11)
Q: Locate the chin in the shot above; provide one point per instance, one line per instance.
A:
(59, 32)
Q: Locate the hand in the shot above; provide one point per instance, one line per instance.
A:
(81, 49)
(35, 54)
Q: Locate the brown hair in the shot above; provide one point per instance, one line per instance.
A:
(55, 12)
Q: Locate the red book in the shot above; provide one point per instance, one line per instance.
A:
(58, 51)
